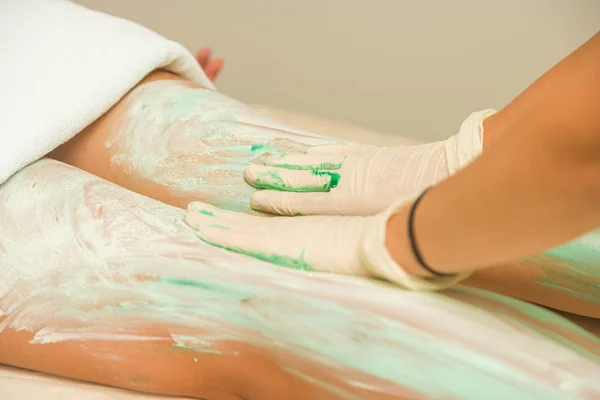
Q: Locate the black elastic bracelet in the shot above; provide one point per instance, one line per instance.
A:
(413, 241)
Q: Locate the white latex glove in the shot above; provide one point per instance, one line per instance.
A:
(343, 245)
(360, 179)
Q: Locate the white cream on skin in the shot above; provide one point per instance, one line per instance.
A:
(83, 258)
(197, 142)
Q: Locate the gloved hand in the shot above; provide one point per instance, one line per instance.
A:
(342, 245)
(360, 179)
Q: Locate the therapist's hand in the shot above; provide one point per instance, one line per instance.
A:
(342, 245)
(346, 179)
(211, 66)
(314, 243)
(359, 179)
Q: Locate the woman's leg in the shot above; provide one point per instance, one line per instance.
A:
(178, 143)
(99, 283)
(567, 284)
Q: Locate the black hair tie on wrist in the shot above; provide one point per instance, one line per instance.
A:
(413, 241)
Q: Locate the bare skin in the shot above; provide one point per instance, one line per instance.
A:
(549, 179)
(120, 242)
(257, 368)
(84, 151)
(551, 133)
(185, 377)
(87, 151)
(159, 367)
(233, 369)
(212, 66)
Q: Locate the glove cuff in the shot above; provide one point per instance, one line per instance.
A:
(463, 147)
(374, 255)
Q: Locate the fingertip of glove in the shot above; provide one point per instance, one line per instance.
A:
(256, 201)
(250, 173)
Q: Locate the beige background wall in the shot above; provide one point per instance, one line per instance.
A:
(414, 68)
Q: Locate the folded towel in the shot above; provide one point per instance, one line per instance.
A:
(62, 66)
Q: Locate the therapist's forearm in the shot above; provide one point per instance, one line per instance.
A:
(547, 86)
(536, 187)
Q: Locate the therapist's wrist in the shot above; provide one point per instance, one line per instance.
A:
(398, 243)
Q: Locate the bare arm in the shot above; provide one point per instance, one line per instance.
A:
(104, 285)
(221, 181)
(545, 193)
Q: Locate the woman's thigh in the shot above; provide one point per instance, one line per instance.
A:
(175, 142)
(568, 284)
(114, 276)
(118, 286)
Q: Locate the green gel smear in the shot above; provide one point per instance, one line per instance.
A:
(324, 165)
(206, 212)
(335, 177)
(265, 147)
(540, 314)
(382, 343)
(284, 261)
(585, 250)
(395, 350)
(570, 278)
(272, 180)
(210, 287)
(219, 226)
(577, 269)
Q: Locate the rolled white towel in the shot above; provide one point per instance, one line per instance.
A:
(62, 66)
